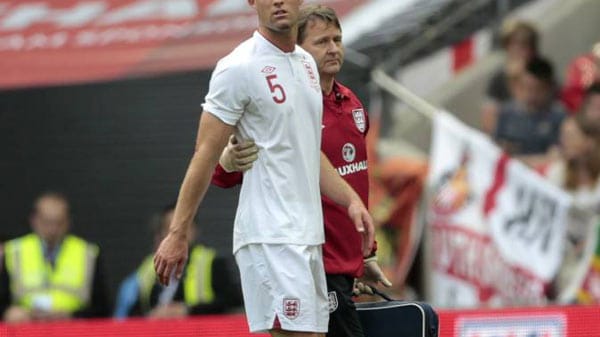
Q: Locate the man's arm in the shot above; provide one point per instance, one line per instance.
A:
(337, 189)
(172, 252)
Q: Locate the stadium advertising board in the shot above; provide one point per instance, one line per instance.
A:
(574, 321)
(66, 41)
(533, 325)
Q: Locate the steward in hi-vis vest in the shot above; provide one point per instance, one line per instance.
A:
(197, 282)
(49, 274)
(206, 287)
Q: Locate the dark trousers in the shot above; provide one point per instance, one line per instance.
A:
(343, 318)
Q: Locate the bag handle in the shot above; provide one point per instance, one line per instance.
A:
(380, 294)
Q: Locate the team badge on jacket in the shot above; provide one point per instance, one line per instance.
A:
(333, 301)
(348, 152)
(291, 307)
(359, 119)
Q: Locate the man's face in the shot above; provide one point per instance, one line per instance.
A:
(50, 220)
(277, 15)
(323, 40)
(518, 48)
(535, 93)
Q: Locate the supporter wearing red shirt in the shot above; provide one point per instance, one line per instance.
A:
(582, 72)
(344, 129)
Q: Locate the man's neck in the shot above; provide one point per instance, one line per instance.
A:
(327, 83)
(286, 41)
(51, 246)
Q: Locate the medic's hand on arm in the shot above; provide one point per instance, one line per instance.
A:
(224, 106)
(337, 189)
(238, 155)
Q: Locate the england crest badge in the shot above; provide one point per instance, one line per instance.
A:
(291, 307)
(359, 119)
(333, 301)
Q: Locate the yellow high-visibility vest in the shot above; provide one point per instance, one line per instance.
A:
(34, 282)
(197, 283)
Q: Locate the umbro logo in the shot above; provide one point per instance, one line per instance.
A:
(268, 70)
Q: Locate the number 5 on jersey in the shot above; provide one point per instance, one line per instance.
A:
(276, 89)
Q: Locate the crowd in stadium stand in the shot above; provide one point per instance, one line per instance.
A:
(554, 129)
(51, 274)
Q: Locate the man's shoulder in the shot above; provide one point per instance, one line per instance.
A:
(237, 58)
(347, 92)
(75, 240)
(303, 52)
(305, 55)
(17, 242)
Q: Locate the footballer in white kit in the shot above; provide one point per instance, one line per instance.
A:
(268, 90)
(275, 98)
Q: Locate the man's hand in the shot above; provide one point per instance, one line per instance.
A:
(372, 275)
(238, 156)
(363, 223)
(16, 314)
(170, 257)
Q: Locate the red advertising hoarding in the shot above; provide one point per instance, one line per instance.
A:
(71, 41)
(573, 321)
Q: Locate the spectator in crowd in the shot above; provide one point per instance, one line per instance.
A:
(206, 286)
(578, 169)
(519, 40)
(50, 274)
(582, 72)
(591, 103)
(528, 125)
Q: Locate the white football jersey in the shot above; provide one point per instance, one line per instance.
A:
(274, 98)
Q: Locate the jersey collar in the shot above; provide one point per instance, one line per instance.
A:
(339, 92)
(265, 45)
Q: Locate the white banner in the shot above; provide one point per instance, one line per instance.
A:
(497, 228)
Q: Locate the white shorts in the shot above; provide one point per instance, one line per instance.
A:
(284, 287)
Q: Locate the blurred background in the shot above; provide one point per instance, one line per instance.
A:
(484, 151)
